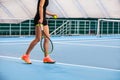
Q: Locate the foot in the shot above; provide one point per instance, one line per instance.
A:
(48, 60)
(26, 59)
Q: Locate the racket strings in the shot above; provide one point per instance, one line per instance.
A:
(46, 45)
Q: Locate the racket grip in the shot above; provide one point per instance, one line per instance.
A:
(41, 25)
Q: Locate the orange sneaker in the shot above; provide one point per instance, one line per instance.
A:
(48, 60)
(26, 59)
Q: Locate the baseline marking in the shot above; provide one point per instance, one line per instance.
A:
(88, 45)
(75, 65)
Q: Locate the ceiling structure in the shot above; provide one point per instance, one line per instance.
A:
(12, 10)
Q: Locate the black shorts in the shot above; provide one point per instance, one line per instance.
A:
(36, 22)
(44, 22)
(36, 19)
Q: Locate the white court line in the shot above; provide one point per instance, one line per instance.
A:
(63, 42)
(89, 40)
(79, 40)
(14, 43)
(94, 45)
(67, 42)
(75, 65)
(54, 41)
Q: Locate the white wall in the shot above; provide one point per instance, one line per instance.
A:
(86, 8)
(64, 8)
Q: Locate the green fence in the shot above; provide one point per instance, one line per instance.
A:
(63, 26)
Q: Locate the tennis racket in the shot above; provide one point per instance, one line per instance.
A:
(50, 43)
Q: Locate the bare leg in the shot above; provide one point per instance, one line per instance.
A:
(26, 56)
(47, 58)
(46, 41)
(35, 41)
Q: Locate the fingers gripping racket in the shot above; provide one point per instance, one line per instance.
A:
(48, 47)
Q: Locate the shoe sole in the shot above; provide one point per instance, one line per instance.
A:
(49, 62)
(26, 61)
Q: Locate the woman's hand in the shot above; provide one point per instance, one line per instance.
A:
(40, 21)
(55, 16)
(51, 14)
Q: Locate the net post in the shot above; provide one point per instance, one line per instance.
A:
(20, 32)
(98, 28)
(10, 32)
(29, 27)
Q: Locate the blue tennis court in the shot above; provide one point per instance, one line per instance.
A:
(78, 58)
(85, 34)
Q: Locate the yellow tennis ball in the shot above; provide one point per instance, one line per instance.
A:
(55, 17)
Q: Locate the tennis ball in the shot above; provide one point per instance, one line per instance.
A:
(55, 17)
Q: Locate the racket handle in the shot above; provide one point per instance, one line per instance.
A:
(41, 25)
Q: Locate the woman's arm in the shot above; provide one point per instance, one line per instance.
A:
(50, 14)
(41, 10)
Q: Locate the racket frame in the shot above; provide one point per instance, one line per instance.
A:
(42, 37)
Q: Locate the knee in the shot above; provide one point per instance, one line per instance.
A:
(37, 39)
(46, 39)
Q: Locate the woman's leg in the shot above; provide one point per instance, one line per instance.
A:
(35, 41)
(26, 56)
(46, 41)
(47, 58)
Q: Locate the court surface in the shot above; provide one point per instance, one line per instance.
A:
(89, 58)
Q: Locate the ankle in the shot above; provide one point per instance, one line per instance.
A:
(47, 56)
(27, 54)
